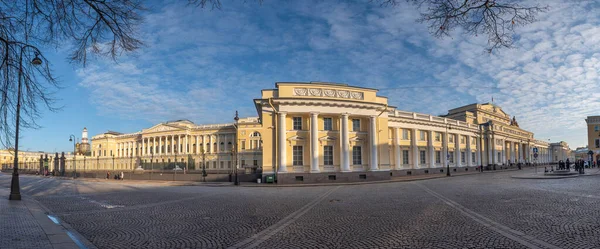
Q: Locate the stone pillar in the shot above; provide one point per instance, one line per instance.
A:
(197, 145)
(185, 147)
(281, 143)
(143, 149)
(345, 144)
(218, 143)
(374, 164)
(468, 153)
(397, 148)
(494, 154)
(211, 147)
(172, 145)
(62, 163)
(314, 142)
(415, 149)
(431, 149)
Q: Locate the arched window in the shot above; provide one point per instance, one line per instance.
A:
(222, 146)
(255, 134)
(229, 146)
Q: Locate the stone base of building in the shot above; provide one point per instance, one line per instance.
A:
(331, 177)
(431, 171)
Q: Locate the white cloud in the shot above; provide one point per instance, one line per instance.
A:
(202, 64)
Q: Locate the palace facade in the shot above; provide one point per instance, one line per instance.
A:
(313, 132)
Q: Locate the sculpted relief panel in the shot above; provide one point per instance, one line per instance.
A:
(318, 92)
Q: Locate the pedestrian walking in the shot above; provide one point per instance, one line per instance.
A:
(122, 175)
(107, 175)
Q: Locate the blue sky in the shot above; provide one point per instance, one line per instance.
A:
(202, 65)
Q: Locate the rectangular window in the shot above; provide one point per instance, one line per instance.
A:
(327, 124)
(597, 143)
(473, 157)
(438, 155)
(243, 163)
(214, 164)
(404, 134)
(243, 144)
(462, 157)
(438, 137)
(462, 140)
(297, 123)
(451, 157)
(222, 164)
(255, 163)
(355, 124)
(473, 140)
(297, 155)
(421, 135)
(405, 157)
(422, 156)
(229, 164)
(596, 128)
(450, 138)
(356, 155)
(328, 155)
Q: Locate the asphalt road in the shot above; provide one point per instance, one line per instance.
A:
(472, 211)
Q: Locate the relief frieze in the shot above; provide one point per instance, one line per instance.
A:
(318, 92)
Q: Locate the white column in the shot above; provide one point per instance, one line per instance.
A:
(172, 145)
(415, 149)
(431, 149)
(445, 150)
(197, 145)
(211, 148)
(479, 150)
(374, 165)
(397, 148)
(143, 151)
(345, 143)
(489, 149)
(281, 143)
(135, 149)
(185, 148)
(160, 145)
(458, 161)
(314, 142)
(519, 153)
(468, 153)
(218, 143)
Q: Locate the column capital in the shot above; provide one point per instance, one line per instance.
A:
(314, 113)
(282, 113)
(345, 114)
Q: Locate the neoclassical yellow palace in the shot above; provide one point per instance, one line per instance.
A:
(319, 131)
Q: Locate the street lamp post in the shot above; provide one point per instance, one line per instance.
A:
(74, 139)
(15, 189)
(236, 119)
(448, 127)
(113, 159)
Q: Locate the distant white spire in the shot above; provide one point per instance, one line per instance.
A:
(84, 136)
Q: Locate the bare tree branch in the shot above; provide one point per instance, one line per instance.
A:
(497, 19)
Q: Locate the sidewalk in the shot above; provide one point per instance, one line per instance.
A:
(149, 182)
(394, 179)
(25, 224)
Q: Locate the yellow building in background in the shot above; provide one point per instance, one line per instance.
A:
(593, 132)
(323, 132)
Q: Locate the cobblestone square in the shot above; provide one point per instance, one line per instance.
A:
(488, 210)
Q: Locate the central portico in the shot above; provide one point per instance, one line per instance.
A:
(323, 128)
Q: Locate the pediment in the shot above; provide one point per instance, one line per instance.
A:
(295, 138)
(162, 128)
(327, 138)
(356, 139)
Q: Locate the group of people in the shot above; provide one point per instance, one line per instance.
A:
(120, 176)
(564, 165)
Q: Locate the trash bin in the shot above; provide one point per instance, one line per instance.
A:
(270, 179)
(258, 180)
